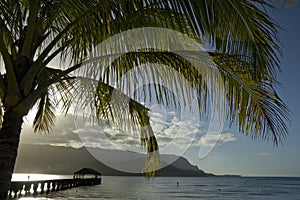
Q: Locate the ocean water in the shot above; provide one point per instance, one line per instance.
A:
(234, 188)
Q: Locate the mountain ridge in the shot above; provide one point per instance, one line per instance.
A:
(47, 159)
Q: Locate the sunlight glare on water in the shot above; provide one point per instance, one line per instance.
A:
(35, 177)
(33, 198)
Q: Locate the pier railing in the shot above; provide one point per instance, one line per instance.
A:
(20, 188)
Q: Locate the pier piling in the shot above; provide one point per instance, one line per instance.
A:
(20, 188)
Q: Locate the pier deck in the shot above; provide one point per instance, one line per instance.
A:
(24, 188)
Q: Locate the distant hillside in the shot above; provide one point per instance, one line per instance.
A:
(65, 160)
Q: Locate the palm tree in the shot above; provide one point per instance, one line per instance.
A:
(242, 38)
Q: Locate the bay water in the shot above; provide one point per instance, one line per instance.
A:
(234, 188)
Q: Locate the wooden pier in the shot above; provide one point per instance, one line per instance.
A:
(25, 188)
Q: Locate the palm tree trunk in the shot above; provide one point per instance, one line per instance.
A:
(9, 143)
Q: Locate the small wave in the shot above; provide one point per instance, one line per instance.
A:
(200, 185)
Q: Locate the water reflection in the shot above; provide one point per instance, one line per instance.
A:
(37, 177)
(31, 198)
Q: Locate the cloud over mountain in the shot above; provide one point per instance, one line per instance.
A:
(174, 132)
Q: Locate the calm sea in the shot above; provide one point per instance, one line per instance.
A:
(188, 188)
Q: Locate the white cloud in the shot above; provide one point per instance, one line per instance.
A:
(171, 129)
(215, 139)
(108, 137)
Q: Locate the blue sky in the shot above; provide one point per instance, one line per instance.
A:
(235, 153)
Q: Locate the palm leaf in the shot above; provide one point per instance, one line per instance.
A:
(115, 106)
(110, 104)
(45, 116)
(56, 95)
(252, 103)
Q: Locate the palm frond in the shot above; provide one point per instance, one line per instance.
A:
(109, 103)
(240, 28)
(254, 105)
(108, 19)
(45, 116)
(251, 103)
(56, 95)
(115, 107)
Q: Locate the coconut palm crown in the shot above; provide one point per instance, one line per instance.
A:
(242, 41)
